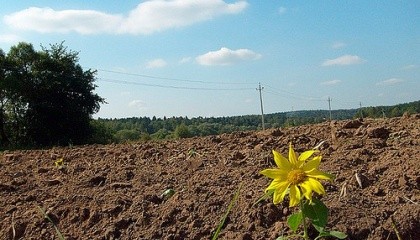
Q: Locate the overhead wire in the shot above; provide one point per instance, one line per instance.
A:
(171, 86)
(294, 95)
(174, 79)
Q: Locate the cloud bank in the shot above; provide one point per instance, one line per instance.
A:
(9, 38)
(156, 63)
(338, 45)
(389, 82)
(226, 56)
(147, 18)
(409, 67)
(343, 60)
(139, 104)
(332, 82)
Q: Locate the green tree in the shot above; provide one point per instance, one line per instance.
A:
(127, 135)
(182, 131)
(50, 98)
(162, 133)
(100, 133)
(3, 100)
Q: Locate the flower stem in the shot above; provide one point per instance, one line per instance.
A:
(305, 228)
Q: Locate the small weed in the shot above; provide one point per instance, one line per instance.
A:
(42, 211)
(223, 219)
(193, 153)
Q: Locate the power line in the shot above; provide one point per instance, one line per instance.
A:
(171, 86)
(174, 79)
(294, 95)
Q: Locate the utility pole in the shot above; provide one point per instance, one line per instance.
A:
(261, 101)
(360, 109)
(329, 106)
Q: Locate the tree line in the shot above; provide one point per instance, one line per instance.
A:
(145, 128)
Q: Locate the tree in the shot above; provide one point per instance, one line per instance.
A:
(50, 97)
(3, 100)
(182, 131)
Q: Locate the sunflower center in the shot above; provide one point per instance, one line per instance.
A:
(296, 176)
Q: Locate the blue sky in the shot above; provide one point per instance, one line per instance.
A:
(206, 57)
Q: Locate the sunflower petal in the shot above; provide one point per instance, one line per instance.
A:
(294, 195)
(307, 154)
(312, 164)
(280, 193)
(292, 156)
(281, 161)
(306, 190)
(274, 173)
(315, 173)
(276, 184)
(315, 185)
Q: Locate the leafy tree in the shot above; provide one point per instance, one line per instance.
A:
(49, 96)
(182, 131)
(162, 133)
(100, 133)
(127, 135)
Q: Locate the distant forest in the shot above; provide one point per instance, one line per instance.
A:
(145, 128)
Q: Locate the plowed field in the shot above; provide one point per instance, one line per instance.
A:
(116, 191)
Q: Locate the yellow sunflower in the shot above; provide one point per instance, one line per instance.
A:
(297, 174)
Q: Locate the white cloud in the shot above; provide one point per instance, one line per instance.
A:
(226, 56)
(338, 45)
(344, 60)
(158, 15)
(156, 63)
(139, 104)
(185, 60)
(332, 82)
(10, 38)
(46, 20)
(409, 67)
(391, 81)
(282, 10)
(148, 17)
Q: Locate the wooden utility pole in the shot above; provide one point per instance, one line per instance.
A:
(261, 102)
(360, 109)
(329, 106)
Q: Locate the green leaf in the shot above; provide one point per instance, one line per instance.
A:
(317, 212)
(295, 220)
(337, 234)
(319, 229)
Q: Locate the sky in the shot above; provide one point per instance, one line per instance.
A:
(206, 58)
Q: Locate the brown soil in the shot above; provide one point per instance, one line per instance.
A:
(114, 191)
